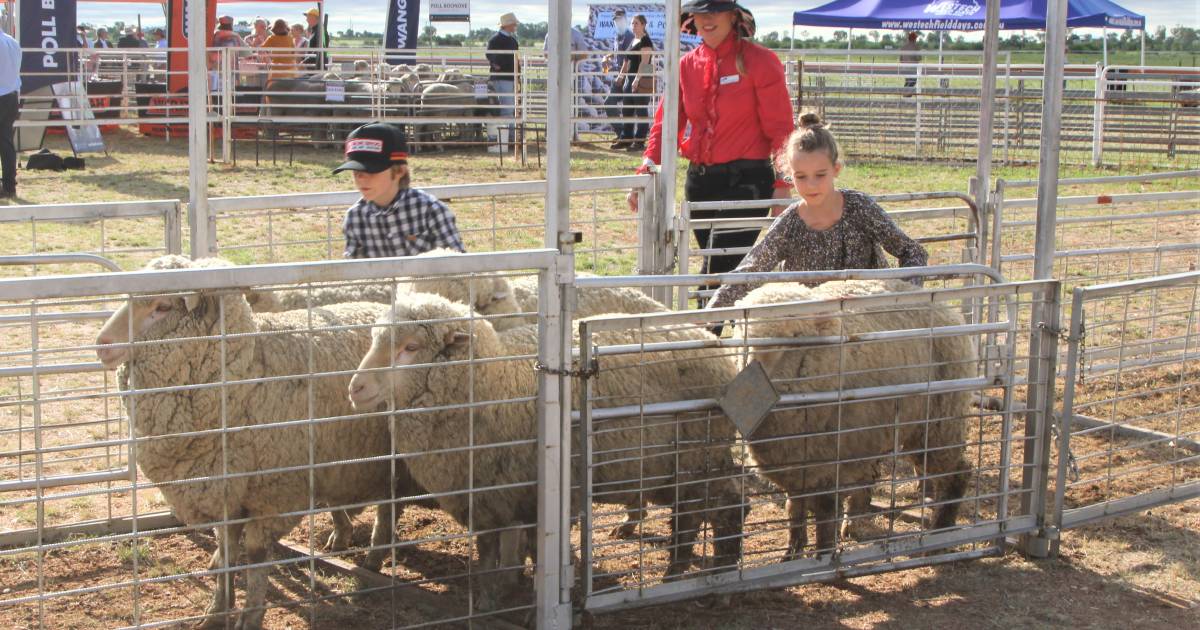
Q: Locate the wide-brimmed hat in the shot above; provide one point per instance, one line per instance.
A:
(225, 19)
(690, 8)
(313, 13)
(509, 19)
(373, 148)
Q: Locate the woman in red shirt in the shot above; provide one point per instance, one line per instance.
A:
(734, 96)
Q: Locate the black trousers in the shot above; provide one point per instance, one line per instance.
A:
(637, 105)
(732, 181)
(8, 150)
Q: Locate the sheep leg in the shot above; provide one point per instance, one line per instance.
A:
(490, 551)
(218, 608)
(381, 533)
(635, 514)
(343, 530)
(951, 489)
(826, 512)
(727, 525)
(218, 557)
(260, 535)
(683, 535)
(798, 527)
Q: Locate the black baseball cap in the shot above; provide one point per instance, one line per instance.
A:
(373, 148)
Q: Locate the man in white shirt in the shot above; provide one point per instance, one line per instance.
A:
(10, 91)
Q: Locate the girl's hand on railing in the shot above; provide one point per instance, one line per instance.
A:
(780, 193)
(632, 200)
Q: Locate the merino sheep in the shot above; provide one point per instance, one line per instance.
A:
(801, 450)
(688, 458)
(292, 349)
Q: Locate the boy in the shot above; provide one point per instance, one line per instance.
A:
(390, 219)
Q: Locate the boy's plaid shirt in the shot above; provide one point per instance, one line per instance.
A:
(415, 222)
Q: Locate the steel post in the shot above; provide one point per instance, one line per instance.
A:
(203, 230)
(667, 178)
(553, 578)
(987, 105)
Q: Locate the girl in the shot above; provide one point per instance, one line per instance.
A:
(829, 228)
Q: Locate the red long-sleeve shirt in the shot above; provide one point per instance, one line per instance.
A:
(753, 113)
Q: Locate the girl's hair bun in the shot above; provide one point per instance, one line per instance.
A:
(811, 120)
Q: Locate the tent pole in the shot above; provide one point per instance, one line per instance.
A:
(987, 108)
(941, 41)
(849, 42)
(792, 41)
(1104, 46)
(1143, 59)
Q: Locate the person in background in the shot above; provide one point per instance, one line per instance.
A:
(160, 38)
(734, 95)
(10, 95)
(81, 38)
(502, 62)
(298, 36)
(622, 40)
(910, 55)
(223, 36)
(391, 218)
(315, 39)
(638, 70)
(102, 40)
(829, 228)
(257, 38)
(282, 56)
(129, 39)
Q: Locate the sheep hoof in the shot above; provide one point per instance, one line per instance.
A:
(624, 531)
(374, 561)
(336, 542)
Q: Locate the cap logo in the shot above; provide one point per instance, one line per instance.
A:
(368, 145)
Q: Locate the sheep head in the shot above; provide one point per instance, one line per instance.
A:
(171, 316)
(419, 333)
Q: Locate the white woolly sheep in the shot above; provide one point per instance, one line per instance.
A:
(801, 449)
(195, 357)
(688, 458)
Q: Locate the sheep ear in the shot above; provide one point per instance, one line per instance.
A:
(191, 301)
(456, 338)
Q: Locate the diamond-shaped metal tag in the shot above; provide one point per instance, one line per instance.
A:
(749, 398)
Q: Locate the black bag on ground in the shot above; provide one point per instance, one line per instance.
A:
(74, 163)
(45, 160)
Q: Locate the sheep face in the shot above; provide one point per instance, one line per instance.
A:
(494, 296)
(407, 337)
(158, 317)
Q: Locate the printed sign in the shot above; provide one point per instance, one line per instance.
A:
(73, 104)
(403, 26)
(335, 92)
(449, 10)
(370, 145)
(46, 24)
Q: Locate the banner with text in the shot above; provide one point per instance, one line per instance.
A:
(48, 24)
(403, 27)
(177, 37)
(449, 10)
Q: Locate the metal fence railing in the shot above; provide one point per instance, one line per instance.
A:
(447, 97)
(127, 232)
(1130, 434)
(490, 217)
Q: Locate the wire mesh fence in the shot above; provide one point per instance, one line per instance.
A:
(221, 418)
(807, 406)
(1130, 422)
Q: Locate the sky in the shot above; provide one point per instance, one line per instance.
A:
(343, 14)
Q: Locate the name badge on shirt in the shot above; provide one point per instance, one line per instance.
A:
(733, 78)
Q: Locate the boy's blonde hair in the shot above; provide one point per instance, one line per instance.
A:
(406, 181)
(812, 135)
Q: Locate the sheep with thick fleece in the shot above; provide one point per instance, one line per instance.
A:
(687, 458)
(208, 343)
(819, 449)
